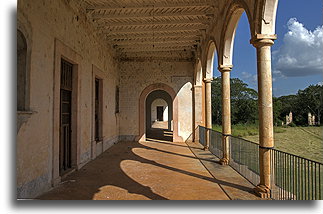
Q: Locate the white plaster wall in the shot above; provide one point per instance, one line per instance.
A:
(50, 19)
(155, 103)
(135, 76)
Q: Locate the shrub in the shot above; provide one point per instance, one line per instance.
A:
(292, 124)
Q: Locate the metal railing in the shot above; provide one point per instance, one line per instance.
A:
(292, 177)
(244, 158)
(202, 135)
(215, 137)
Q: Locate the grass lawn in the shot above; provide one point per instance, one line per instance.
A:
(306, 142)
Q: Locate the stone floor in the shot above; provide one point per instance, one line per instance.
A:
(154, 170)
(159, 125)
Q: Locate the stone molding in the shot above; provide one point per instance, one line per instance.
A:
(260, 40)
(208, 80)
(225, 68)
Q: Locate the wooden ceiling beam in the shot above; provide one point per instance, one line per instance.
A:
(156, 5)
(164, 49)
(156, 34)
(156, 44)
(138, 41)
(166, 22)
(150, 15)
(157, 29)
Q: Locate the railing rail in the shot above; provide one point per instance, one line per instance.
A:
(292, 177)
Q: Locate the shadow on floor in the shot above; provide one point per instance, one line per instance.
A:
(106, 170)
(159, 134)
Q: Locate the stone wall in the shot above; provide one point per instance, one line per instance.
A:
(44, 23)
(135, 76)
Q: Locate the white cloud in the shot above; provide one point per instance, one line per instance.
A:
(250, 78)
(245, 75)
(301, 53)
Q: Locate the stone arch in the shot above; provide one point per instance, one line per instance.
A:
(268, 16)
(229, 29)
(211, 50)
(151, 97)
(142, 110)
(198, 77)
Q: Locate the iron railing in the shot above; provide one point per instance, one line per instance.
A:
(292, 177)
(295, 178)
(202, 135)
(244, 158)
(215, 137)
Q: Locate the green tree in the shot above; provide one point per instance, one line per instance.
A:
(305, 101)
(309, 100)
(243, 102)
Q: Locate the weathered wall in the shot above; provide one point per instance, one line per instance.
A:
(135, 76)
(47, 21)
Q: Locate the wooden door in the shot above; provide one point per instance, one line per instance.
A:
(65, 160)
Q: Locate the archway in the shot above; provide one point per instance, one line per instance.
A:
(142, 110)
(159, 116)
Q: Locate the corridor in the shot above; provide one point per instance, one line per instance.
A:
(154, 170)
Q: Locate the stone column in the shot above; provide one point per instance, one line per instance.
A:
(226, 112)
(263, 45)
(208, 110)
(197, 111)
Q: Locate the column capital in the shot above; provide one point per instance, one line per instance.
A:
(260, 40)
(225, 68)
(208, 80)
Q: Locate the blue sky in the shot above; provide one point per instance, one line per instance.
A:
(296, 64)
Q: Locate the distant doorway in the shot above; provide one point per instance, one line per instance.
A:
(159, 116)
(160, 113)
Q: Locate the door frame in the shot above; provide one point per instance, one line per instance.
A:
(64, 52)
(63, 148)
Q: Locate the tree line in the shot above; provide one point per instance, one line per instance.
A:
(244, 104)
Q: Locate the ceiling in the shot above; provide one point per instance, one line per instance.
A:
(151, 27)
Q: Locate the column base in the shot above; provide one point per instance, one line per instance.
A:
(206, 148)
(224, 161)
(262, 191)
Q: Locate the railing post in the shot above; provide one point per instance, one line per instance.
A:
(208, 111)
(263, 45)
(226, 112)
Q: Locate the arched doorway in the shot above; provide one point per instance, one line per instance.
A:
(159, 116)
(172, 104)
